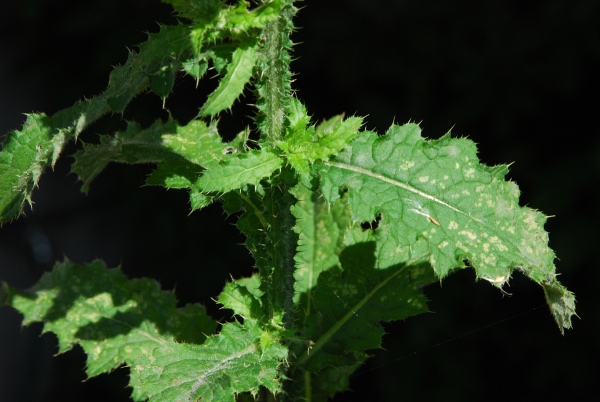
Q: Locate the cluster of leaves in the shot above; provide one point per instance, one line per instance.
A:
(345, 226)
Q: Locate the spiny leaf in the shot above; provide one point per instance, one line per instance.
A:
(561, 302)
(226, 364)
(157, 60)
(196, 142)
(321, 231)
(180, 151)
(342, 293)
(238, 170)
(303, 144)
(134, 145)
(348, 304)
(449, 205)
(240, 20)
(115, 320)
(212, 15)
(25, 154)
(22, 161)
(232, 84)
(201, 11)
(254, 220)
(243, 297)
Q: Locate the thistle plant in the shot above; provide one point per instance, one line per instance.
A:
(345, 225)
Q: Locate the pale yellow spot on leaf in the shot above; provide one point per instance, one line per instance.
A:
(470, 173)
(406, 165)
(469, 234)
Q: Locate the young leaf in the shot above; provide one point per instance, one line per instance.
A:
(303, 144)
(243, 297)
(115, 320)
(227, 364)
(240, 20)
(212, 15)
(232, 84)
(238, 170)
(448, 204)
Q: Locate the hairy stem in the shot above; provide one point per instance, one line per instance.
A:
(273, 92)
(273, 89)
(274, 81)
(284, 270)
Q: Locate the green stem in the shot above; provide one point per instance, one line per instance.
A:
(273, 87)
(287, 265)
(274, 81)
(274, 93)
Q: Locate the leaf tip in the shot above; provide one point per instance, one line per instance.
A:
(561, 303)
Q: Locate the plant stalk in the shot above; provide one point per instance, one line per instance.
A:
(274, 94)
(274, 81)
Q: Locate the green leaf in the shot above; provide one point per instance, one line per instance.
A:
(243, 296)
(195, 67)
(267, 223)
(232, 84)
(321, 229)
(25, 154)
(199, 200)
(201, 11)
(333, 136)
(226, 364)
(22, 161)
(238, 170)
(162, 82)
(435, 197)
(240, 20)
(561, 302)
(212, 15)
(115, 320)
(180, 150)
(196, 142)
(344, 288)
(303, 145)
(134, 145)
(348, 304)
(155, 64)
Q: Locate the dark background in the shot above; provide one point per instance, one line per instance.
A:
(519, 78)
